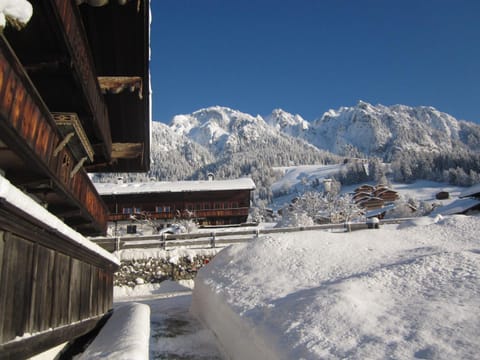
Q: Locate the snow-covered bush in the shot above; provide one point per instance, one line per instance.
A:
(294, 218)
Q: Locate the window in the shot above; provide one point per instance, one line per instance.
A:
(162, 208)
(127, 211)
(137, 210)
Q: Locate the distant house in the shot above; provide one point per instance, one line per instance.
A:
(468, 201)
(209, 202)
(365, 188)
(375, 200)
(371, 203)
(387, 195)
(442, 195)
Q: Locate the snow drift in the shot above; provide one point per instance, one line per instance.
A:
(388, 293)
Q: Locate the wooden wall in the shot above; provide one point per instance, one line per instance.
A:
(182, 205)
(47, 284)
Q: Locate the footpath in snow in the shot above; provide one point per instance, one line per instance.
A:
(405, 292)
(174, 332)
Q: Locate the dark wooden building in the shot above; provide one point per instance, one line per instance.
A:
(209, 202)
(74, 97)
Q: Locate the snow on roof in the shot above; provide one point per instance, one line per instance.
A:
(458, 206)
(376, 212)
(17, 12)
(23, 202)
(475, 189)
(174, 186)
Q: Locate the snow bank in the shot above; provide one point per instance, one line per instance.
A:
(388, 293)
(126, 335)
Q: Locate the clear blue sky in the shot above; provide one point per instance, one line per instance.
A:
(307, 56)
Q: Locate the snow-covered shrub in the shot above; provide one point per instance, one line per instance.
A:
(294, 218)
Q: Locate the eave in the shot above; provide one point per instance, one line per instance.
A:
(29, 138)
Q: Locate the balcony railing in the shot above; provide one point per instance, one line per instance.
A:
(182, 214)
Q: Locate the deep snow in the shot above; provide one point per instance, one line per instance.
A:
(403, 293)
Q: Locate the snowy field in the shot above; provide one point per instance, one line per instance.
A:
(298, 179)
(399, 293)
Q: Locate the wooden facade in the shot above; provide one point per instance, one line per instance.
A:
(206, 206)
(65, 108)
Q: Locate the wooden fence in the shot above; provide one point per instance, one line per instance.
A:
(213, 238)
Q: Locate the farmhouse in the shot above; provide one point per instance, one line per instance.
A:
(209, 202)
(74, 97)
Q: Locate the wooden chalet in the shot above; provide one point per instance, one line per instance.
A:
(209, 202)
(371, 203)
(387, 195)
(374, 198)
(367, 188)
(74, 84)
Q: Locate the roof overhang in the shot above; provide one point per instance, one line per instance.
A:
(86, 60)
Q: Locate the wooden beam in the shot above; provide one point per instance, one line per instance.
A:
(127, 150)
(117, 84)
(32, 345)
(83, 66)
(70, 122)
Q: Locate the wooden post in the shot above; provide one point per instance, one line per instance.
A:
(212, 240)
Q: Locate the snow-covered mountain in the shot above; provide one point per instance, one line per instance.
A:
(381, 130)
(293, 125)
(231, 143)
(173, 157)
(360, 130)
(230, 135)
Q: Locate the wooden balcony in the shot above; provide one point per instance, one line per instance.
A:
(54, 50)
(30, 154)
(196, 214)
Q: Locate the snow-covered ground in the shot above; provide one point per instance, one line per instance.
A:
(174, 332)
(298, 179)
(411, 291)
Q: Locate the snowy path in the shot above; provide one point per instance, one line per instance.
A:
(174, 332)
